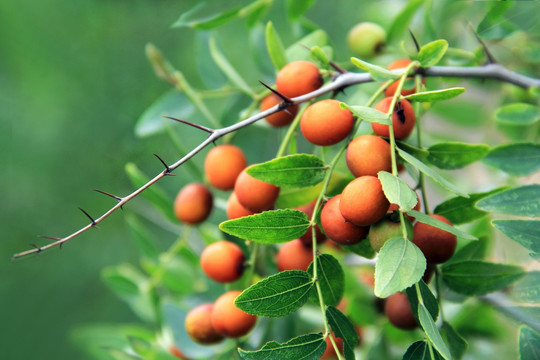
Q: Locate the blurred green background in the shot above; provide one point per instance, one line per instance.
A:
(73, 81)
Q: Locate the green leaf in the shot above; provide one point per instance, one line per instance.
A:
(403, 19)
(320, 56)
(275, 47)
(397, 191)
(457, 344)
(304, 347)
(420, 351)
(432, 332)
(297, 51)
(524, 232)
(426, 170)
(518, 159)
(142, 239)
(277, 295)
(172, 103)
(400, 264)
(377, 72)
(455, 155)
(474, 277)
(331, 279)
(529, 344)
(518, 114)
(436, 95)
(521, 201)
(380, 348)
(154, 194)
(428, 299)
(494, 25)
(269, 227)
(460, 210)
(225, 66)
(363, 248)
(344, 329)
(418, 153)
(528, 288)
(296, 8)
(475, 250)
(367, 113)
(299, 170)
(254, 11)
(193, 20)
(431, 53)
(121, 281)
(426, 219)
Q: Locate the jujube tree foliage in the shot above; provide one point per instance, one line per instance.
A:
(371, 233)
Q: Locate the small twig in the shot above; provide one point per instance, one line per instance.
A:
(489, 71)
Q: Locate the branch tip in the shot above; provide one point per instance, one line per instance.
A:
(197, 126)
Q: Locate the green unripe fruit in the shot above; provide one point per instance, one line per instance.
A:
(366, 39)
(387, 228)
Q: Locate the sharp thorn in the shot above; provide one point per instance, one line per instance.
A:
(167, 169)
(108, 194)
(94, 223)
(489, 55)
(38, 248)
(337, 67)
(283, 97)
(414, 40)
(200, 127)
(49, 237)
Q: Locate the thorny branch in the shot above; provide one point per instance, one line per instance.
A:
(343, 80)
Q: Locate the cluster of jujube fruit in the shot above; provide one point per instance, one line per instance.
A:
(359, 212)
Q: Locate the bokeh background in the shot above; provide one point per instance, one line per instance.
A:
(73, 81)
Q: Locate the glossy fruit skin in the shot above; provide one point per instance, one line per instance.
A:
(294, 255)
(235, 210)
(223, 261)
(367, 155)
(298, 78)
(337, 227)
(307, 238)
(326, 123)
(363, 201)
(199, 325)
(254, 194)
(437, 245)
(385, 229)
(391, 89)
(230, 321)
(193, 204)
(366, 39)
(223, 164)
(281, 118)
(403, 119)
(398, 311)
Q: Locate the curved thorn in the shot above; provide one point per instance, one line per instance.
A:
(108, 194)
(200, 127)
(94, 223)
(414, 40)
(167, 168)
(283, 97)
